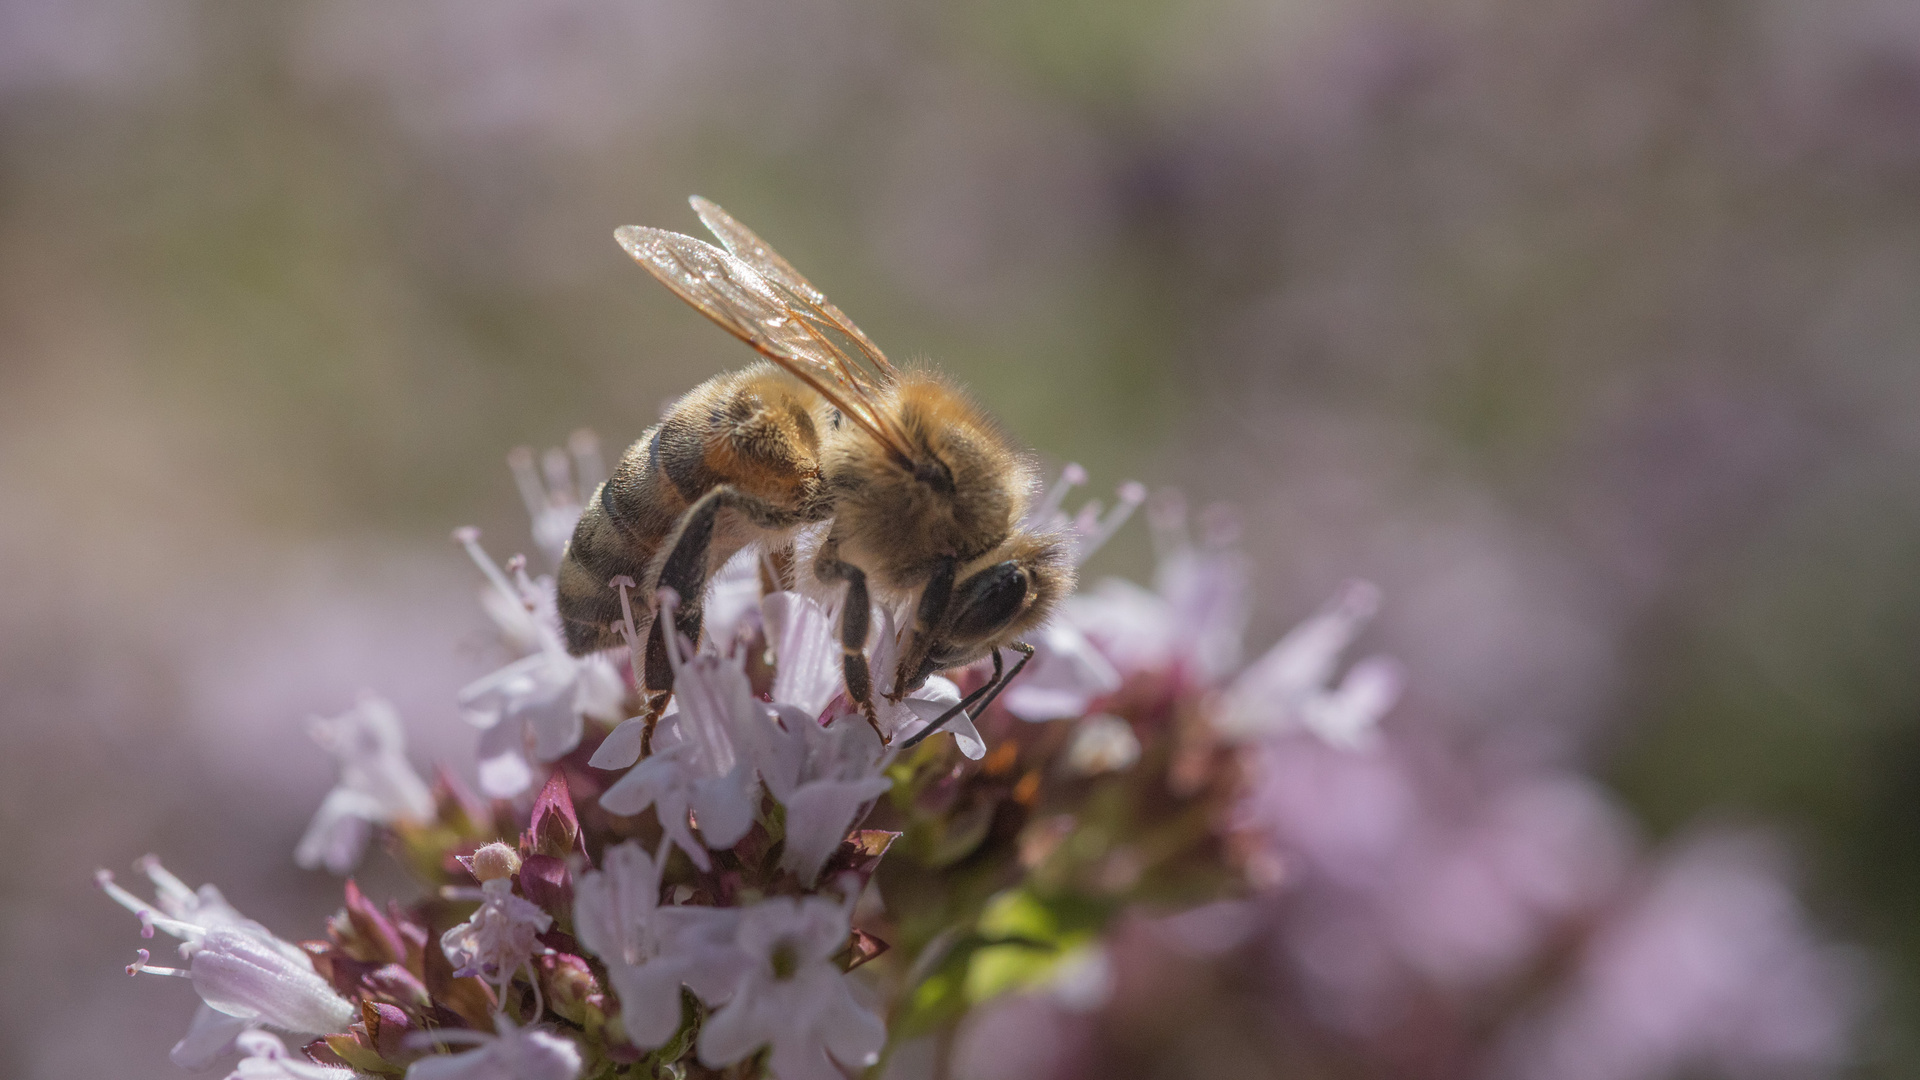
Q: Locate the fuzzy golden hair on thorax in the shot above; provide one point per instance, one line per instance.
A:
(961, 494)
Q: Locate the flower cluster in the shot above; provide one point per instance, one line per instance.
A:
(757, 882)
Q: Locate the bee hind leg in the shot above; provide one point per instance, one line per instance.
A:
(685, 568)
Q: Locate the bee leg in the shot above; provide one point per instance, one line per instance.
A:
(853, 646)
(855, 613)
(685, 568)
(659, 688)
(1026, 653)
(934, 601)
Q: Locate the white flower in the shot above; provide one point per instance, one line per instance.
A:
(267, 1059)
(792, 996)
(1067, 673)
(906, 718)
(825, 776)
(806, 647)
(554, 501)
(732, 606)
(1190, 624)
(245, 975)
(377, 786)
(1291, 686)
(651, 950)
(531, 710)
(1102, 743)
(705, 756)
(809, 673)
(514, 1053)
(499, 938)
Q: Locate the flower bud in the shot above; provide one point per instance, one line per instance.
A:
(494, 861)
(555, 829)
(571, 987)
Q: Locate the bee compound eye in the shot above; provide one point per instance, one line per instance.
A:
(989, 600)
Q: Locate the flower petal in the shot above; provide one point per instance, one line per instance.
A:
(731, 1033)
(241, 975)
(621, 748)
(723, 808)
(649, 1001)
(210, 1036)
(819, 816)
(338, 833)
(853, 1034)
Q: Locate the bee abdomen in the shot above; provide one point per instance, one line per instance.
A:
(621, 529)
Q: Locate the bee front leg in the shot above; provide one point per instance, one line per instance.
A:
(855, 613)
(927, 616)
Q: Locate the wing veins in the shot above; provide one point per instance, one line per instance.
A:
(747, 246)
(747, 306)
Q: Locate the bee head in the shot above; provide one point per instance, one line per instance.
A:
(952, 488)
(1000, 596)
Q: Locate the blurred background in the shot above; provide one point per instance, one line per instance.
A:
(1587, 328)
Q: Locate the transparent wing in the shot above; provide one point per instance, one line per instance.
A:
(745, 304)
(747, 246)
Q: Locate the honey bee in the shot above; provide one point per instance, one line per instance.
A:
(924, 492)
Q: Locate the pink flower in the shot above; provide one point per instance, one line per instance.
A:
(512, 1053)
(1709, 967)
(245, 976)
(1292, 686)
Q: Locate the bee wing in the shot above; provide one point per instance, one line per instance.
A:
(746, 305)
(747, 246)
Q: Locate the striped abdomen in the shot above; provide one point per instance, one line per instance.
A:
(752, 430)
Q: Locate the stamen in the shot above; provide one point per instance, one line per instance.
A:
(141, 967)
(532, 492)
(149, 920)
(165, 883)
(530, 596)
(1095, 530)
(559, 477)
(533, 976)
(589, 469)
(119, 895)
(469, 537)
(622, 582)
(666, 603)
(1167, 523)
(1070, 477)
